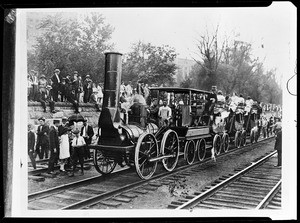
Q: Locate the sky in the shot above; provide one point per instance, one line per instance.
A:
(271, 30)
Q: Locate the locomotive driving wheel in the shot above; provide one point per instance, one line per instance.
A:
(146, 149)
(103, 164)
(190, 151)
(201, 149)
(170, 146)
(225, 142)
(217, 144)
(237, 139)
(243, 138)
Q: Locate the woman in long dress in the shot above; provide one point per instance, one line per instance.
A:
(64, 151)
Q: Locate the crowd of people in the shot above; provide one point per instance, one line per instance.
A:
(58, 88)
(61, 143)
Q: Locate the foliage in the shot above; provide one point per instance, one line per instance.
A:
(70, 44)
(150, 64)
(232, 68)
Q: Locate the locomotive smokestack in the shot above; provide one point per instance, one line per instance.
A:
(112, 81)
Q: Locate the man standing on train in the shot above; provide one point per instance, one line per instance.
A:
(164, 113)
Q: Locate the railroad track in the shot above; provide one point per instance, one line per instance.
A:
(42, 167)
(124, 185)
(256, 186)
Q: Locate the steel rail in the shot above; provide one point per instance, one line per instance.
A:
(45, 193)
(220, 185)
(95, 199)
(269, 196)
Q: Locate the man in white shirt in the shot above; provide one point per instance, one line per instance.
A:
(164, 113)
(78, 143)
(128, 89)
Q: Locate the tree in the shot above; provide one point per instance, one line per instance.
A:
(70, 44)
(150, 64)
(233, 69)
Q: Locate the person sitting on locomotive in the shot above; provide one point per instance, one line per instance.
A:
(164, 114)
(211, 100)
(138, 112)
(220, 97)
(249, 102)
(241, 100)
(154, 107)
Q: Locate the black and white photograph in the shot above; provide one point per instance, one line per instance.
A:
(155, 112)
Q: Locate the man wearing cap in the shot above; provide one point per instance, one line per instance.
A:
(87, 133)
(56, 82)
(54, 146)
(87, 88)
(42, 144)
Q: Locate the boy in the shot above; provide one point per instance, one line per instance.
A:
(78, 145)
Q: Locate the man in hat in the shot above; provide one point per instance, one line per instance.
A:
(54, 146)
(62, 126)
(78, 145)
(42, 95)
(63, 89)
(75, 86)
(211, 100)
(278, 142)
(56, 82)
(164, 114)
(34, 84)
(42, 144)
(31, 142)
(87, 133)
(70, 97)
(87, 88)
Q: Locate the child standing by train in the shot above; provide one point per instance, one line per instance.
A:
(78, 145)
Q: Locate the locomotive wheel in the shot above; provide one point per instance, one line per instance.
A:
(243, 138)
(201, 149)
(217, 144)
(237, 139)
(252, 135)
(225, 142)
(146, 149)
(170, 146)
(189, 151)
(103, 164)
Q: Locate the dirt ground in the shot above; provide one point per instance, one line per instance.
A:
(165, 194)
